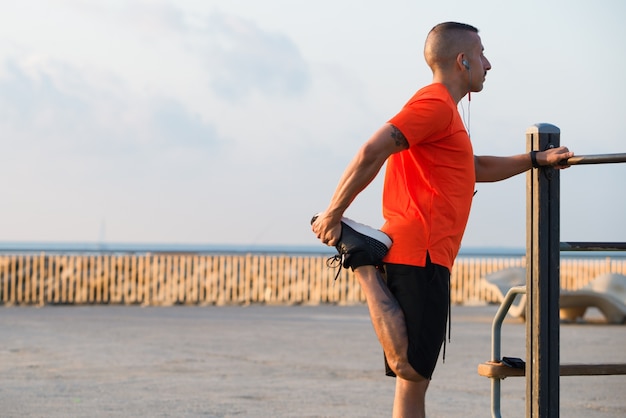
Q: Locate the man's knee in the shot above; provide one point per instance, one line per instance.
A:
(402, 368)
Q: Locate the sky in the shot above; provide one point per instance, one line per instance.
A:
(231, 121)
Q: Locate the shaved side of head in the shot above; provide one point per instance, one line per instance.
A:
(445, 42)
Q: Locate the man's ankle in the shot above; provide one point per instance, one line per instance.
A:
(361, 259)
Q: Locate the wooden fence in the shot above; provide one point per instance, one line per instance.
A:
(167, 279)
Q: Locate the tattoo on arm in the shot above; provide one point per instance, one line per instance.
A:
(399, 137)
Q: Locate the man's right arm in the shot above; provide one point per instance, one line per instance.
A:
(363, 168)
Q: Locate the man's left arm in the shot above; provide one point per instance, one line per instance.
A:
(490, 169)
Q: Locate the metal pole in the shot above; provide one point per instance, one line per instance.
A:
(542, 279)
(597, 159)
(495, 398)
(593, 246)
(498, 319)
(496, 344)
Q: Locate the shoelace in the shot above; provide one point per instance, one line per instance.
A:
(331, 262)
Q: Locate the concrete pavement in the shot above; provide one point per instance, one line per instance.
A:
(265, 361)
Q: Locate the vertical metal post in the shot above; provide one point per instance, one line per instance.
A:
(542, 279)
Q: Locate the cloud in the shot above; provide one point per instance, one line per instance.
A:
(246, 59)
(47, 100)
(30, 96)
(177, 126)
(237, 57)
(150, 18)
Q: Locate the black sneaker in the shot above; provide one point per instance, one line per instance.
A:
(359, 245)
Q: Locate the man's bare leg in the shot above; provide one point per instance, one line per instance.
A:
(409, 401)
(388, 321)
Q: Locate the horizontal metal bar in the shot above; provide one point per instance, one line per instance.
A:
(593, 246)
(596, 159)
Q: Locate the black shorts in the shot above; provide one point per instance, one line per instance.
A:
(424, 296)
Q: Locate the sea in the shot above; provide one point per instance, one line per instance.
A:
(178, 248)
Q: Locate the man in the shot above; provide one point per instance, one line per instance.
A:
(428, 188)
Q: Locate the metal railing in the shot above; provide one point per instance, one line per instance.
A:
(597, 159)
(543, 285)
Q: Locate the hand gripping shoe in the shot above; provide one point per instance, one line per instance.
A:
(359, 245)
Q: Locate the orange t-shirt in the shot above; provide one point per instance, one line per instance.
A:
(428, 187)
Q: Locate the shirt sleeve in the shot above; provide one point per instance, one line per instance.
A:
(423, 120)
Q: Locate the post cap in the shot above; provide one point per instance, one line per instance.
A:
(543, 128)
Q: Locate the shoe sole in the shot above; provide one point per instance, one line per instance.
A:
(368, 231)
